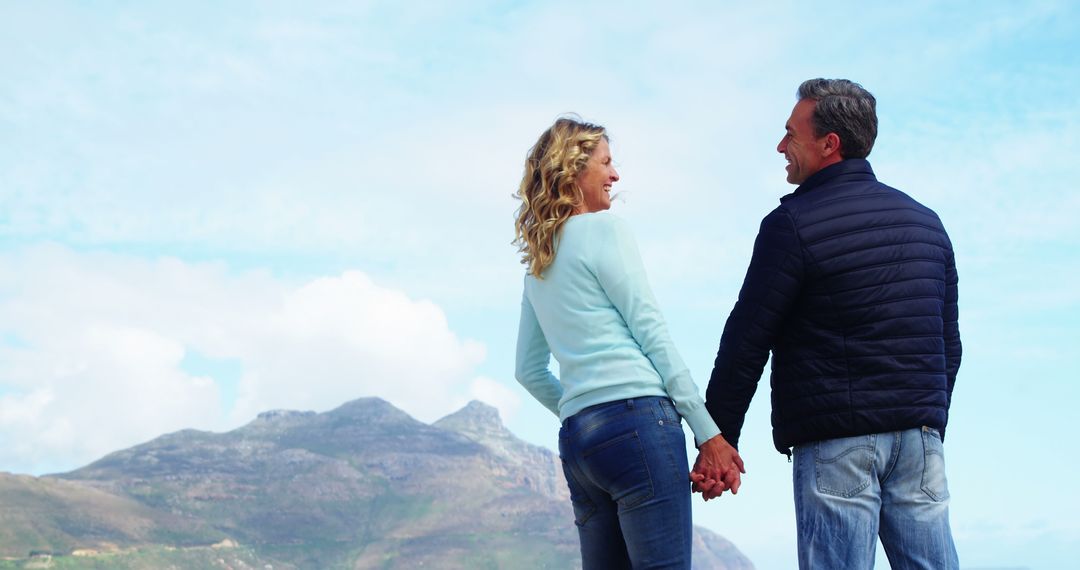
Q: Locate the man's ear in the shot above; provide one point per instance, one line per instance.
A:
(832, 145)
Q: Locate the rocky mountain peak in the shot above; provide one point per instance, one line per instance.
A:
(374, 414)
(481, 410)
(367, 407)
(476, 417)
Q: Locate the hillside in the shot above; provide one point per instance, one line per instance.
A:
(361, 486)
(47, 515)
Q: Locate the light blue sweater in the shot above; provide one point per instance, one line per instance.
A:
(595, 312)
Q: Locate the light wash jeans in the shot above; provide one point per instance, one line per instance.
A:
(625, 463)
(850, 490)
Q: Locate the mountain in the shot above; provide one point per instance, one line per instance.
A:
(361, 486)
(43, 514)
(529, 466)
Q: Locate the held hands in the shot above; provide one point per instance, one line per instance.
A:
(718, 468)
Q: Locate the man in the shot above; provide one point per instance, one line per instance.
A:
(852, 287)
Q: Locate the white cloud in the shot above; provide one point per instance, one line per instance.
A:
(25, 407)
(97, 360)
(346, 335)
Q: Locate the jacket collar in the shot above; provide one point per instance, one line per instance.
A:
(859, 167)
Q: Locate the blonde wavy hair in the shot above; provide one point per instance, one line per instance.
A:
(549, 192)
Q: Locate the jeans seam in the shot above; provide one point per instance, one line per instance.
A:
(582, 498)
(894, 457)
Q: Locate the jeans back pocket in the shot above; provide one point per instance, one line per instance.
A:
(843, 466)
(618, 466)
(934, 483)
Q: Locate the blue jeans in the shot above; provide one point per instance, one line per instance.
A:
(850, 490)
(625, 463)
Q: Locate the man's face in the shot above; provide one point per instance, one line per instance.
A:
(804, 151)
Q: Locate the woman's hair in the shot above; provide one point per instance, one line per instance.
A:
(549, 192)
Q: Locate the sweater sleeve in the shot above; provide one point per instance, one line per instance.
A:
(772, 283)
(621, 274)
(533, 357)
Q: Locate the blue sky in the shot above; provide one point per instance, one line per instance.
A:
(209, 210)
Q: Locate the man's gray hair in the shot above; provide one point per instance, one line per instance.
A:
(845, 108)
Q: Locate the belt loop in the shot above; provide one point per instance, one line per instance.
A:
(629, 404)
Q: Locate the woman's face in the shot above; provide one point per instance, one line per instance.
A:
(596, 180)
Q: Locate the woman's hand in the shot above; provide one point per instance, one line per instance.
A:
(718, 468)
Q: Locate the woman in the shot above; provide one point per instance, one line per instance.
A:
(623, 388)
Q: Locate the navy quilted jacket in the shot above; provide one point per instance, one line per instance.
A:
(852, 286)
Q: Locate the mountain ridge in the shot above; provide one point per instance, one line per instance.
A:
(362, 485)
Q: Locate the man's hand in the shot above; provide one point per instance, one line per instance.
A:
(718, 468)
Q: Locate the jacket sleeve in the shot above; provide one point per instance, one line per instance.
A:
(773, 282)
(951, 319)
(532, 359)
(621, 274)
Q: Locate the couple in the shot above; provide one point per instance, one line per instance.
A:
(851, 287)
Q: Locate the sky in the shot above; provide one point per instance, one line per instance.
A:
(209, 210)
